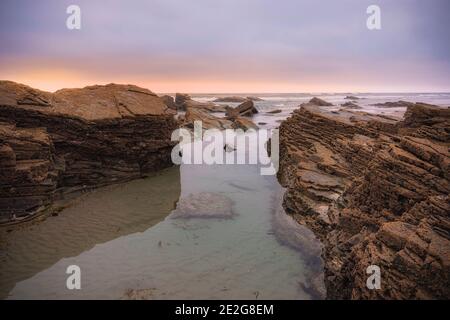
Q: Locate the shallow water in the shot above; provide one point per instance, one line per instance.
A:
(244, 257)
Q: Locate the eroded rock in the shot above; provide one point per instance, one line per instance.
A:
(204, 205)
(375, 191)
(96, 135)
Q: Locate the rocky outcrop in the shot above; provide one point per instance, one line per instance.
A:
(394, 104)
(184, 101)
(236, 99)
(319, 102)
(169, 101)
(244, 124)
(351, 98)
(77, 138)
(350, 105)
(245, 109)
(376, 192)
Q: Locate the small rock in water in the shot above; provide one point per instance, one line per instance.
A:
(204, 205)
(229, 148)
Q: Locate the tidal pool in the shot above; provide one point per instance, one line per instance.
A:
(128, 245)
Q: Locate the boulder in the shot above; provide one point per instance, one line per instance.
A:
(208, 120)
(245, 109)
(351, 98)
(350, 105)
(184, 101)
(244, 124)
(236, 99)
(96, 135)
(274, 111)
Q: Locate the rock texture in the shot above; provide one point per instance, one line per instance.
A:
(169, 101)
(350, 105)
(319, 102)
(376, 192)
(75, 139)
(184, 101)
(204, 205)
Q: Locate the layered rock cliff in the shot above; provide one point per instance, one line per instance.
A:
(376, 192)
(77, 138)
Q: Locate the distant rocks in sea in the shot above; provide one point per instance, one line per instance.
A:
(245, 109)
(394, 104)
(350, 105)
(169, 101)
(351, 98)
(237, 99)
(319, 102)
(184, 101)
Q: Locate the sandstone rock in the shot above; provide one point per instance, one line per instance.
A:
(181, 98)
(236, 99)
(350, 105)
(375, 191)
(97, 135)
(274, 111)
(169, 102)
(208, 120)
(244, 124)
(28, 171)
(395, 104)
(319, 102)
(184, 101)
(246, 108)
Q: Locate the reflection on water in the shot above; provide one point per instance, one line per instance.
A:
(95, 218)
(255, 252)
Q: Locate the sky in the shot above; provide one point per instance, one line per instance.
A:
(235, 46)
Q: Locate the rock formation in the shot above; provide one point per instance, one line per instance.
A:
(184, 101)
(395, 104)
(75, 139)
(274, 111)
(376, 192)
(169, 101)
(319, 102)
(351, 98)
(236, 99)
(245, 109)
(210, 121)
(350, 105)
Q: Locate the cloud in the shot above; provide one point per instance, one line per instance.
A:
(247, 41)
